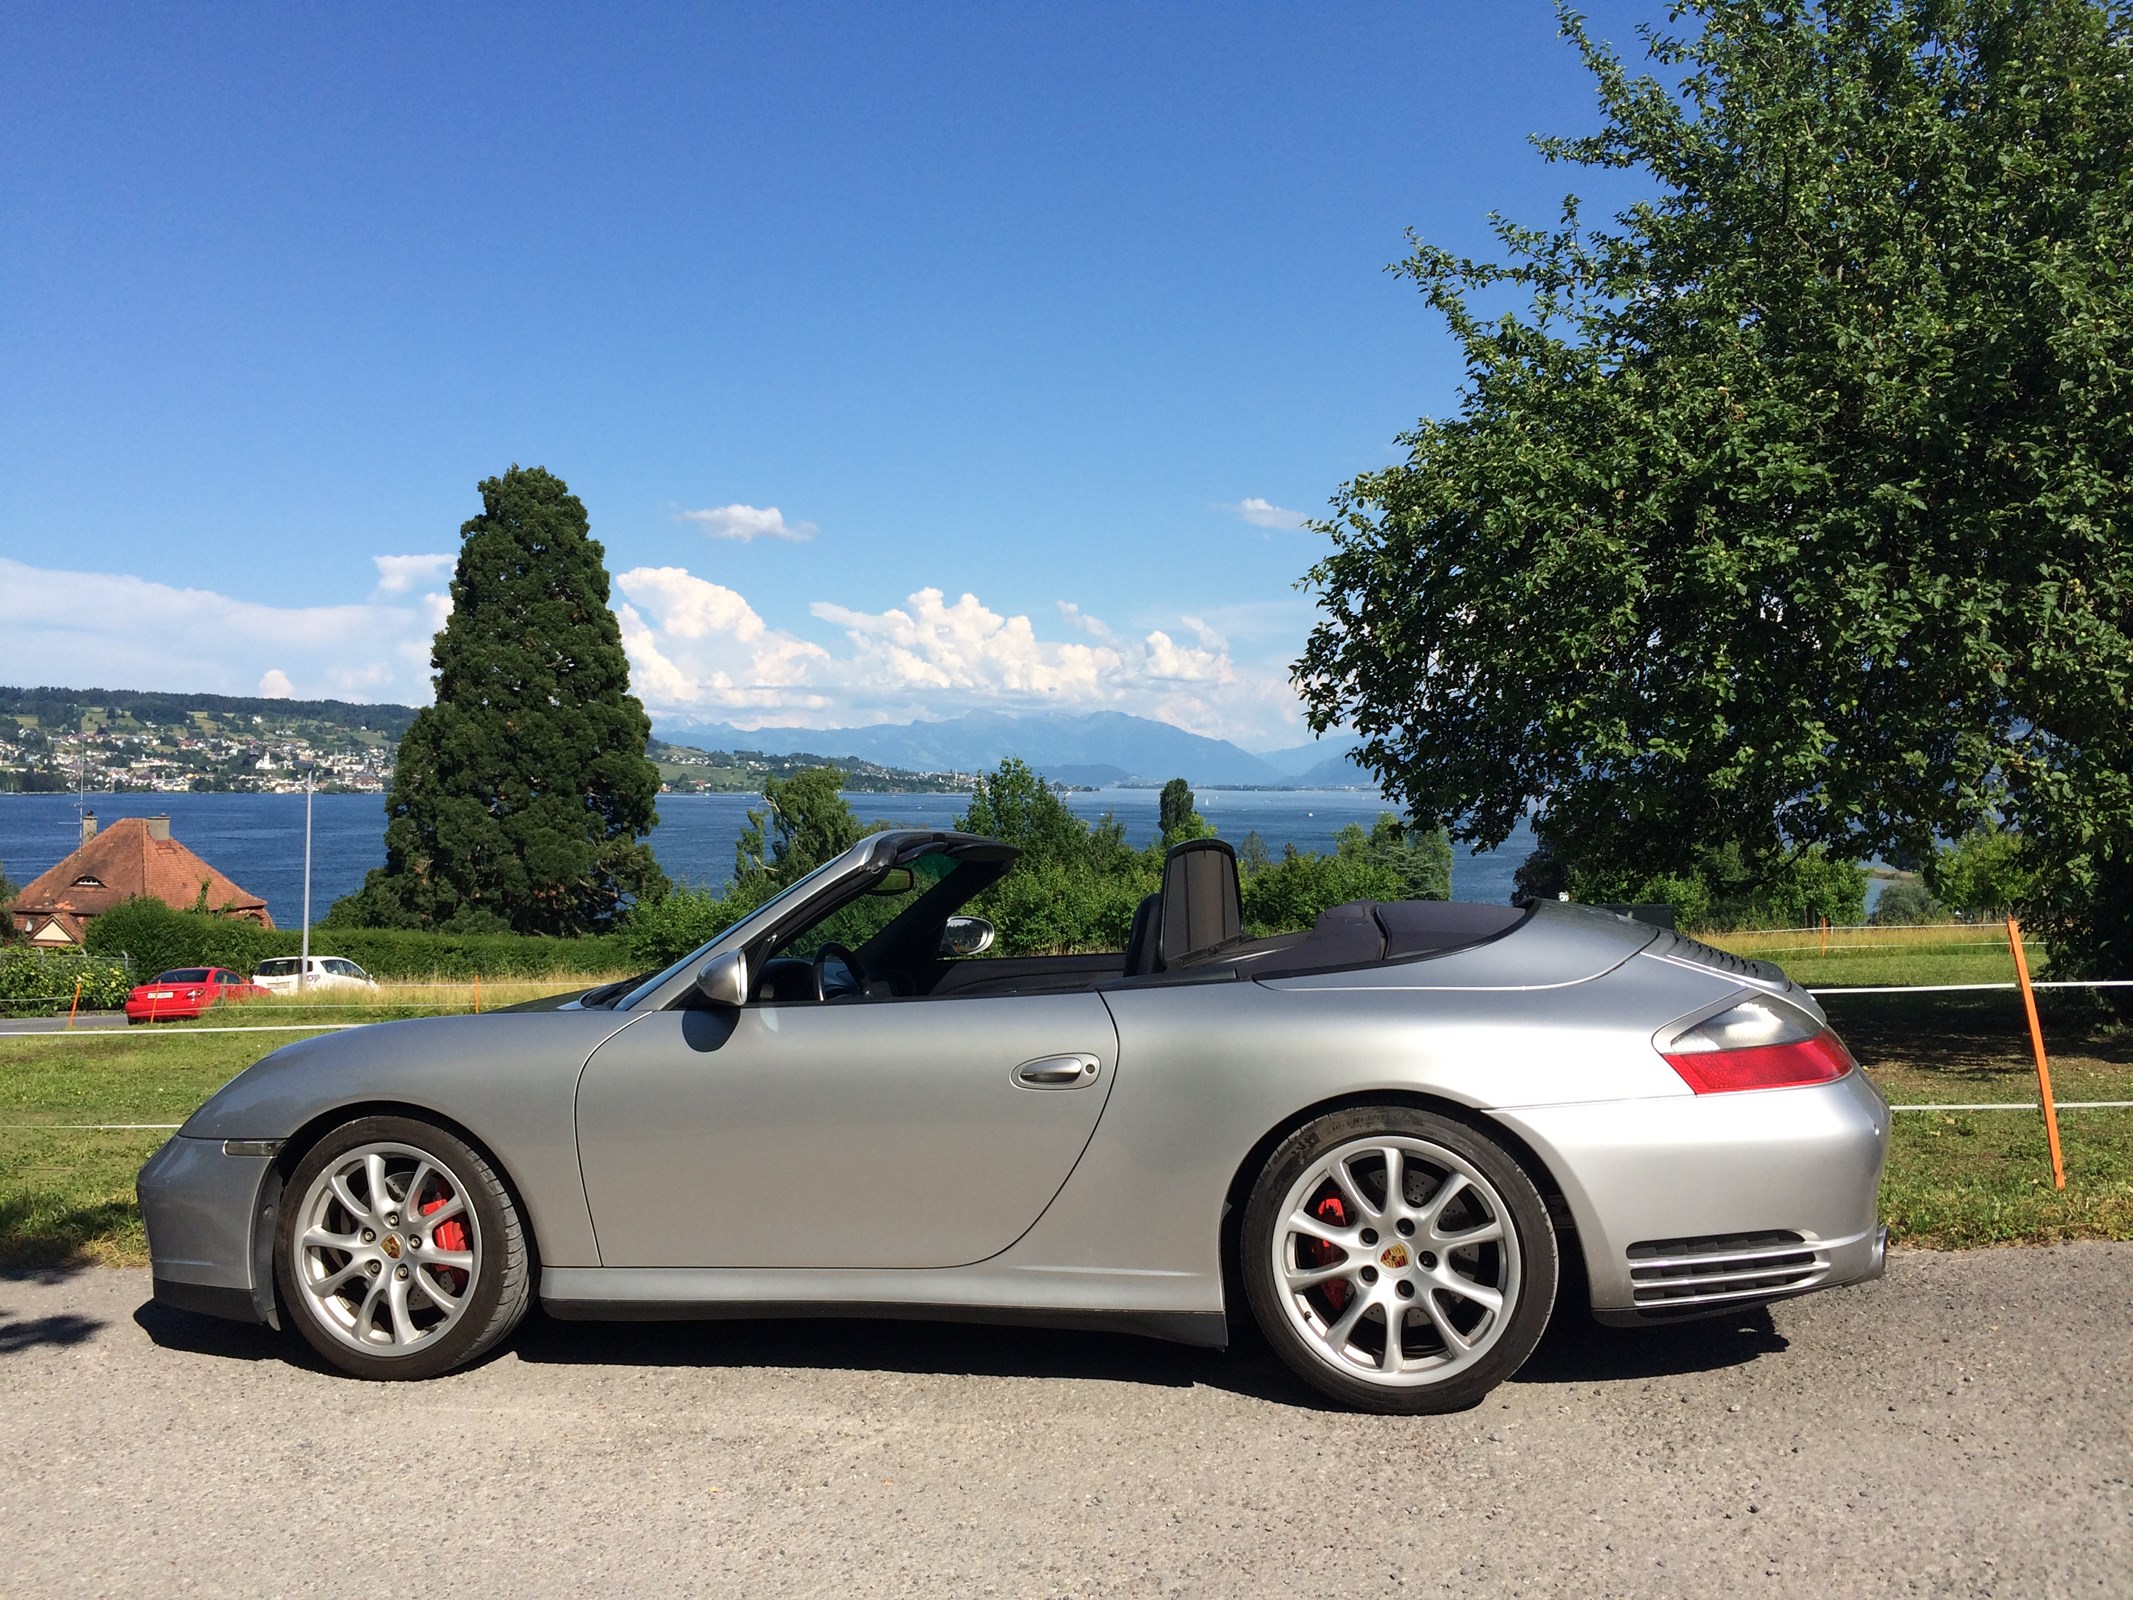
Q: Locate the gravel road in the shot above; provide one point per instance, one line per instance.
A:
(1963, 1427)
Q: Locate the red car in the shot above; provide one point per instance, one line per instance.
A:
(186, 992)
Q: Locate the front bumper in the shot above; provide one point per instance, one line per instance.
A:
(1697, 1204)
(209, 1211)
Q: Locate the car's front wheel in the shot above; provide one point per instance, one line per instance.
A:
(399, 1252)
(1398, 1260)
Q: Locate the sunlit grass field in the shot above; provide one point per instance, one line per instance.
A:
(1954, 1179)
(1963, 953)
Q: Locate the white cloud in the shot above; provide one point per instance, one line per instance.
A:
(400, 574)
(1094, 627)
(694, 646)
(1264, 513)
(748, 522)
(104, 628)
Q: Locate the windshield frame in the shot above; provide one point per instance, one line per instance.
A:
(775, 907)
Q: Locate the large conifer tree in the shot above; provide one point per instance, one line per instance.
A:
(522, 795)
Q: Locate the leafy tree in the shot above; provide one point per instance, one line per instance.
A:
(521, 797)
(1016, 806)
(1905, 903)
(1984, 873)
(1176, 820)
(1791, 510)
(805, 820)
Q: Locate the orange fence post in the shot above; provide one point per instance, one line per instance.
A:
(77, 1003)
(477, 994)
(2036, 1044)
(1825, 936)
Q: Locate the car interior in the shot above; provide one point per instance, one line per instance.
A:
(891, 938)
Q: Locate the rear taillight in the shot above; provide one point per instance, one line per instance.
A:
(1756, 1045)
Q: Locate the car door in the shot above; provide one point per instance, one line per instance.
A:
(861, 1133)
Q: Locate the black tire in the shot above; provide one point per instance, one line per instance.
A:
(1303, 1327)
(496, 1293)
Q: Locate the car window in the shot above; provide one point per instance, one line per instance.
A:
(183, 975)
(855, 922)
(277, 969)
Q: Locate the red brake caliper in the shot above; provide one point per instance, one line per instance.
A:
(451, 1235)
(1322, 1254)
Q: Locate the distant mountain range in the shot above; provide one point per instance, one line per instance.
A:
(1097, 749)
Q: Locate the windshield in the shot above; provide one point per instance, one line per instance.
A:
(276, 969)
(183, 975)
(791, 892)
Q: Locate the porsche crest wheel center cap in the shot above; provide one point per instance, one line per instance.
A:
(1394, 1257)
(392, 1247)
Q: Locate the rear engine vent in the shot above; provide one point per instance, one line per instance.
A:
(1679, 1276)
(1709, 955)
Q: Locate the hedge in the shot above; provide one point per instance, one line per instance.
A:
(158, 938)
(42, 981)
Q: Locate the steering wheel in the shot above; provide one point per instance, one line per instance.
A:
(844, 954)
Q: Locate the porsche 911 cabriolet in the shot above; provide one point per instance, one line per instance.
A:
(1382, 1136)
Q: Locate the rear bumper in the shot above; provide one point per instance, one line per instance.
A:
(210, 1221)
(1698, 1204)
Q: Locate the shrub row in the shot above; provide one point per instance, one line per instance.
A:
(34, 982)
(157, 938)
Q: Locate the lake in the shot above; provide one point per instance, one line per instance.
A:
(258, 839)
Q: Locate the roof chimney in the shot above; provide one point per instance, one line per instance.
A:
(159, 827)
(88, 826)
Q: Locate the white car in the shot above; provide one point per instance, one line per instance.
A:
(286, 974)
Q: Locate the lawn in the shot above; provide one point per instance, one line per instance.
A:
(1972, 953)
(1955, 1178)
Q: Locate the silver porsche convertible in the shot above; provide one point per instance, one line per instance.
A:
(1382, 1136)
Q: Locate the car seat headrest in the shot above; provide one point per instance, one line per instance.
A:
(1203, 902)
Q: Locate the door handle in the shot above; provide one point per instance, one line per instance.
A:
(1056, 1072)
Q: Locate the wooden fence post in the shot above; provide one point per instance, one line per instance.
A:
(2036, 1045)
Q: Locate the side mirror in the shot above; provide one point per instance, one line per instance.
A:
(897, 880)
(967, 936)
(724, 979)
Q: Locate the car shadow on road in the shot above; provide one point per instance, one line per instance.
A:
(1575, 1349)
(917, 1347)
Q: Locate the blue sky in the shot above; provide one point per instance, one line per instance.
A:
(1060, 309)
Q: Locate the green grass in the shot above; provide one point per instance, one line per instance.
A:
(1867, 956)
(1954, 1179)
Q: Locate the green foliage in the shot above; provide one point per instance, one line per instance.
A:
(1389, 862)
(804, 822)
(664, 930)
(1791, 510)
(157, 937)
(1075, 887)
(521, 796)
(1983, 874)
(416, 953)
(42, 981)
(1720, 890)
(1906, 902)
(1018, 807)
(1176, 820)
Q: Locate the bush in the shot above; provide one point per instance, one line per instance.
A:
(1906, 903)
(159, 938)
(42, 981)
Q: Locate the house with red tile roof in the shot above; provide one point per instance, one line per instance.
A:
(134, 856)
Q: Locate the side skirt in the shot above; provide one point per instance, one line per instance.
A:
(652, 1294)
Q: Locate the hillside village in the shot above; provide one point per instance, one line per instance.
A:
(119, 741)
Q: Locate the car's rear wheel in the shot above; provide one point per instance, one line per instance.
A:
(1398, 1260)
(399, 1252)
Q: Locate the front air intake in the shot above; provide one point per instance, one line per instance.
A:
(1681, 1277)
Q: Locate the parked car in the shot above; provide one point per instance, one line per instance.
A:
(287, 974)
(1379, 1139)
(185, 992)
